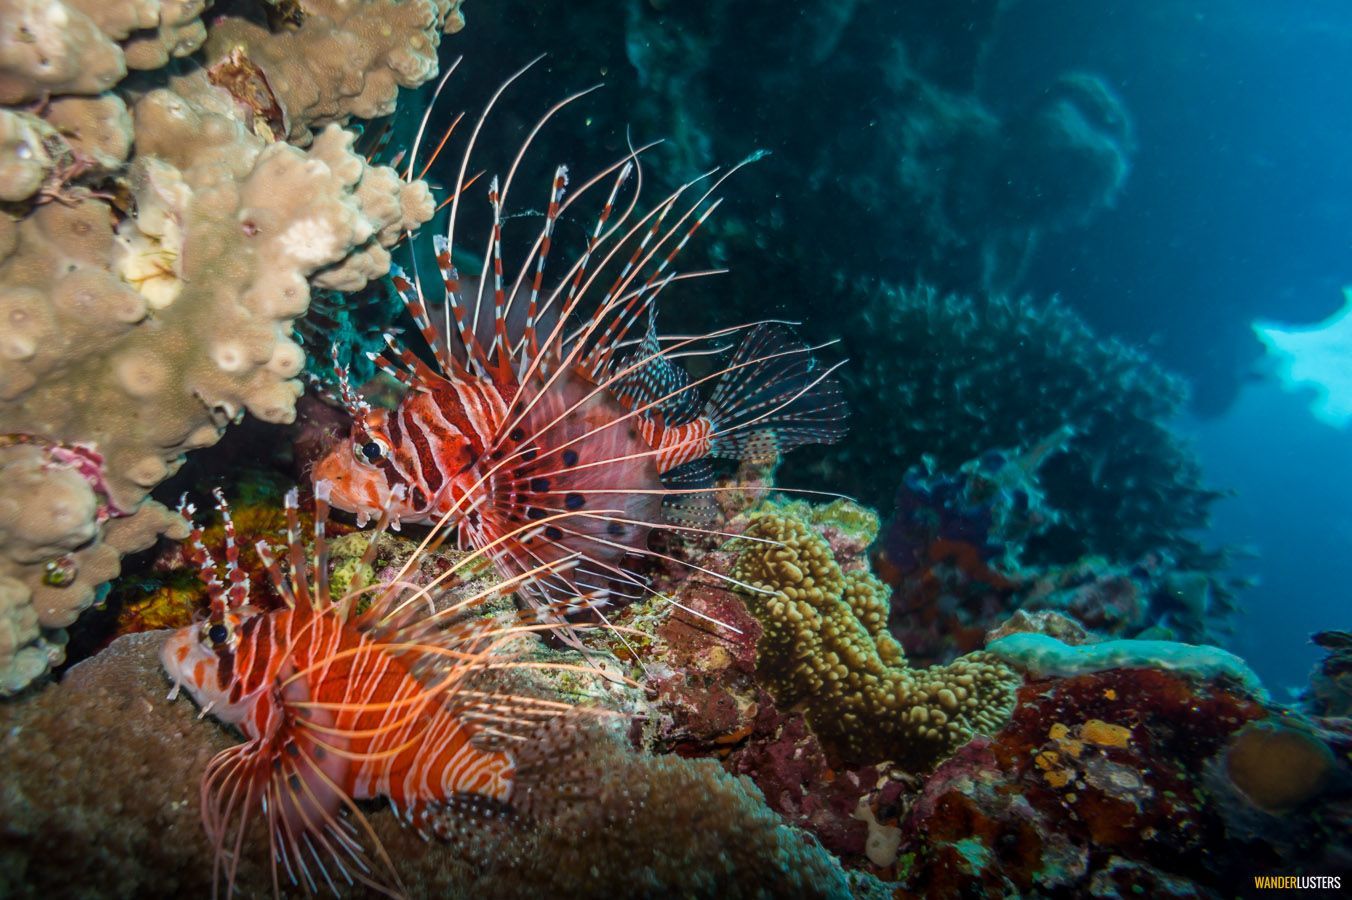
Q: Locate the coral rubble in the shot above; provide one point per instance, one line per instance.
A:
(157, 243)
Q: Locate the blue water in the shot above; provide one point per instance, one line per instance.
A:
(1293, 507)
(1237, 208)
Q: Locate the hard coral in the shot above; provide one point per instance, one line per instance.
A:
(825, 647)
(54, 556)
(154, 259)
(1092, 788)
(335, 60)
(85, 47)
(1278, 768)
(1042, 656)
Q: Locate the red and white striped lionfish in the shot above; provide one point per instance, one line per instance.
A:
(377, 693)
(551, 404)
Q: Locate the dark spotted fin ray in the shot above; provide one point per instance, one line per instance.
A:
(780, 398)
(688, 505)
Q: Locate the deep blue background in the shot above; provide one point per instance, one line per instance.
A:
(1239, 206)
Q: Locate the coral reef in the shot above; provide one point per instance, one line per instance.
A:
(56, 551)
(331, 60)
(952, 552)
(157, 245)
(825, 645)
(979, 518)
(1330, 690)
(1278, 768)
(101, 783)
(1092, 789)
(1041, 656)
(954, 377)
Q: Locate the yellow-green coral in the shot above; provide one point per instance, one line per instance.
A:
(826, 650)
(850, 519)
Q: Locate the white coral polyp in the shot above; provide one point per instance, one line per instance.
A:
(311, 242)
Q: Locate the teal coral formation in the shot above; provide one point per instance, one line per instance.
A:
(158, 242)
(826, 647)
(1042, 656)
(953, 377)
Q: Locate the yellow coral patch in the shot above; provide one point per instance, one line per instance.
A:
(1058, 778)
(826, 648)
(1104, 734)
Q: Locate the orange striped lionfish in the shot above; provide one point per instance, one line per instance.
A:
(563, 406)
(376, 693)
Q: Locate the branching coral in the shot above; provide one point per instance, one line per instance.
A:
(954, 377)
(156, 248)
(825, 647)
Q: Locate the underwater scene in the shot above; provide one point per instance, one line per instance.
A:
(645, 449)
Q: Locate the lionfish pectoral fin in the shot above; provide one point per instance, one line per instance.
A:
(556, 766)
(652, 381)
(774, 396)
(688, 504)
(476, 825)
(306, 763)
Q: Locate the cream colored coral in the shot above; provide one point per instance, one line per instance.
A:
(144, 342)
(25, 162)
(148, 345)
(49, 47)
(76, 137)
(55, 47)
(825, 648)
(153, 260)
(97, 130)
(346, 57)
(54, 554)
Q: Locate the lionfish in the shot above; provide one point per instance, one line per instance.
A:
(376, 693)
(563, 407)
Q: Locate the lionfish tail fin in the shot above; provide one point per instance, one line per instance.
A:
(774, 397)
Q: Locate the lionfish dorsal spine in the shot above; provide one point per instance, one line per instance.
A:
(531, 344)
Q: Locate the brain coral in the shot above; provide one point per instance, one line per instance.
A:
(826, 648)
(156, 247)
(954, 376)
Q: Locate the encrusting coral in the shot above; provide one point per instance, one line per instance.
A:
(825, 647)
(157, 246)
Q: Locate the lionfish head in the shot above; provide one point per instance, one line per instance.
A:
(359, 471)
(201, 658)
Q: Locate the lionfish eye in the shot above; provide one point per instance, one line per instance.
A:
(372, 451)
(218, 633)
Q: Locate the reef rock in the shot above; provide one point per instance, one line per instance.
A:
(100, 794)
